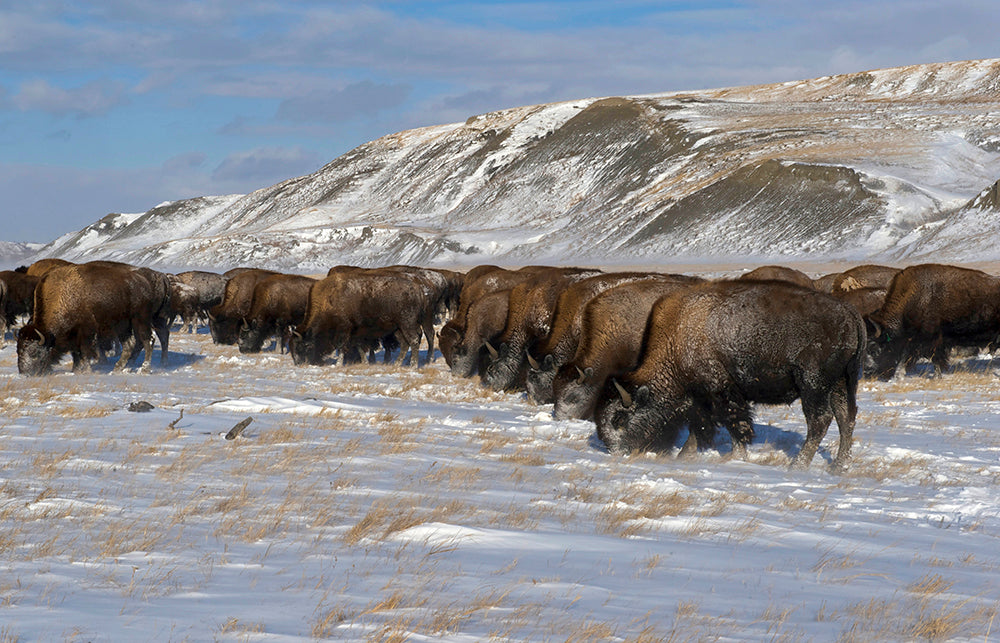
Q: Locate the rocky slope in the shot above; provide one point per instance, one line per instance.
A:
(895, 165)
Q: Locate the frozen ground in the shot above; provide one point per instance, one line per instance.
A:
(379, 503)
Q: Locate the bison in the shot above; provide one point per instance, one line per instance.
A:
(17, 297)
(278, 304)
(478, 282)
(41, 267)
(209, 288)
(358, 307)
(79, 307)
(780, 273)
(560, 345)
(225, 320)
(864, 276)
(712, 350)
(611, 332)
(529, 320)
(484, 322)
(929, 310)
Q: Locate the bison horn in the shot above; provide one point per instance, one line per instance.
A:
(210, 315)
(296, 334)
(493, 352)
(626, 398)
(533, 362)
(41, 337)
(583, 375)
(246, 326)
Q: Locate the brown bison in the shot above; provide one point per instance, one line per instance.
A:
(929, 310)
(529, 320)
(611, 333)
(41, 267)
(209, 289)
(714, 349)
(478, 282)
(225, 320)
(560, 345)
(278, 304)
(79, 307)
(357, 308)
(780, 273)
(865, 276)
(17, 298)
(484, 323)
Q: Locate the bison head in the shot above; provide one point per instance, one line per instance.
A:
(540, 377)
(223, 328)
(574, 391)
(503, 372)
(448, 337)
(35, 353)
(250, 337)
(307, 347)
(885, 352)
(629, 418)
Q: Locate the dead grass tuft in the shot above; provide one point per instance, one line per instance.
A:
(634, 512)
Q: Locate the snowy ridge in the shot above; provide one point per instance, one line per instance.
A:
(878, 165)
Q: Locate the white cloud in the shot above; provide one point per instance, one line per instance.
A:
(92, 99)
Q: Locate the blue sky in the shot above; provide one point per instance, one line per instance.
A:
(117, 106)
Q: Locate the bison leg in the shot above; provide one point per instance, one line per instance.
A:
(739, 423)
(845, 409)
(817, 409)
(429, 334)
(163, 335)
(128, 348)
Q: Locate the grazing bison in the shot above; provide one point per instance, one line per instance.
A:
(484, 323)
(478, 282)
(278, 304)
(866, 276)
(611, 333)
(79, 307)
(780, 273)
(929, 310)
(712, 350)
(529, 319)
(17, 297)
(358, 307)
(560, 345)
(225, 320)
(210, 288)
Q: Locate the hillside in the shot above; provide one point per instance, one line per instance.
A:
(892, 165)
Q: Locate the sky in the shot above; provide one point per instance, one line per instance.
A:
(119, 105)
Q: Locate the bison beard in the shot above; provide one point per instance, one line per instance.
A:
(713, 350)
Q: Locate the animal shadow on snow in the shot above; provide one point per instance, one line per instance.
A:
(176, 360)
(787, 441)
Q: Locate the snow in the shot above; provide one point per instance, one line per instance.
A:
(379, 502)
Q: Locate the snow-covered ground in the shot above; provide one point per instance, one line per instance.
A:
(383, 503)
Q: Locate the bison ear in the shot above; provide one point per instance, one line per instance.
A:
(642, 395)
(504, 349)
(549, 363)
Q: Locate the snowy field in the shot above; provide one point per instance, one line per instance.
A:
(387, 504)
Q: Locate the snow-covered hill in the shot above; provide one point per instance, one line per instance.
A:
(892, 164)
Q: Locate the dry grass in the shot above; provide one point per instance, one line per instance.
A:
(387, 516)
(637, 510)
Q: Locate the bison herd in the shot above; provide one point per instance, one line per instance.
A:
(642, 354)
